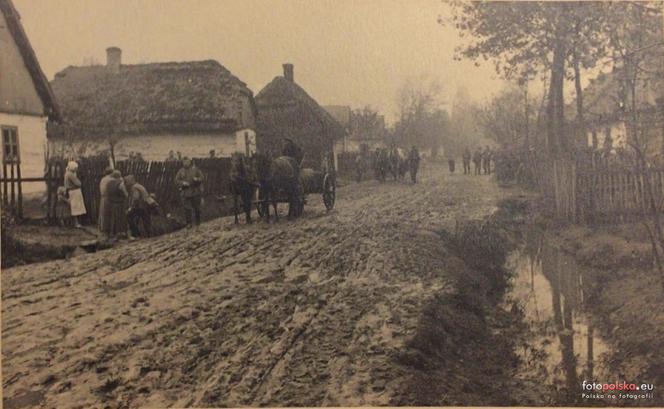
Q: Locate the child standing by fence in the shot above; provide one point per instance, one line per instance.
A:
(62, 210)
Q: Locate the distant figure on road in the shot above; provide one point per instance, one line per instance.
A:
(466, 161)
(451, 164)
(477, 160)
(213, 154)
(413, 163)
(72, 186)
(486, 160)
(138, 209)
(359, 167)
(189, 179)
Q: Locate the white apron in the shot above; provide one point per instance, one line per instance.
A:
(76, 202)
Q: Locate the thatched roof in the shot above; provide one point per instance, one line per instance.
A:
(200, 96)
(283, 93)
(17, 32)
(341, 113)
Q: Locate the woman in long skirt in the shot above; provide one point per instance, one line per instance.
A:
(113, 221)
(72, 186)
(104, 219)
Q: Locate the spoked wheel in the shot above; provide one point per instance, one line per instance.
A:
(329, 191)
(260, 204)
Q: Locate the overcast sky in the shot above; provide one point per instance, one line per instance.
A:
(345, 51)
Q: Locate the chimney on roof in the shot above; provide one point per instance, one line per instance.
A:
(113, 59)
(288, 72)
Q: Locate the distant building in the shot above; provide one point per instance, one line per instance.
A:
(27, 103)
(285, 110)
(342, 114)
(607, 104)
(362, 128)
(190, 107)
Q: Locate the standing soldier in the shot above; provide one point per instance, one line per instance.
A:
(466, 161)
(171, 157)
(189, 179)
(292, 150)
(486, 160)
(414, 163)
(477, 160)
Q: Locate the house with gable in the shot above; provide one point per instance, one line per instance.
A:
(27, 103)
(285, 110)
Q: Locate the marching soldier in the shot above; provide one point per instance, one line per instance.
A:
(477, 160)
(466, 161)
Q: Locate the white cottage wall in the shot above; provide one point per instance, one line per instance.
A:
(31, 132)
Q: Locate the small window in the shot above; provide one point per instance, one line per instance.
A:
(10, 153)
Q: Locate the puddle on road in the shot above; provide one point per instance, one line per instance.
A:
(561, 348)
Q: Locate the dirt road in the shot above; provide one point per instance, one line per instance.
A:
(298, 313)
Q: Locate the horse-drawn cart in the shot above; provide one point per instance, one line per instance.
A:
(310, 181)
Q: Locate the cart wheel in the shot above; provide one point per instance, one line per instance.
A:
(329, 191)
(260, 204)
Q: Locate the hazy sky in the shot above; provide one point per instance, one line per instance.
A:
(345, 51)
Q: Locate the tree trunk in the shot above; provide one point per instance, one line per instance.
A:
(579, 97)
(556, 139)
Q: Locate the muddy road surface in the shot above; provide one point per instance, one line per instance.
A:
(298, 313)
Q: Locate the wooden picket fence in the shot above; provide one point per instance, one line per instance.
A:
(592, 195)
(157, 177)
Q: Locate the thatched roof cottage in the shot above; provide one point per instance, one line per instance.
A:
(27, 103)
(190, 107)
(287, 111)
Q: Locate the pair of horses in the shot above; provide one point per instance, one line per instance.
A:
(392, 161)
(274, 178)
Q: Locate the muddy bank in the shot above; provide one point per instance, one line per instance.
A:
(534, 314)
(464, 350)
(623, 301)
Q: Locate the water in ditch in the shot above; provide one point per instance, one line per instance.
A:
(560, 347)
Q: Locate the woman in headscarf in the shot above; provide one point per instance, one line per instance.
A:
(104, 221)
(72, 185)
(117, 197)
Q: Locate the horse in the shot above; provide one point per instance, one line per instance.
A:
(380, 164)
(398, 165)
(277, 176)
(242, 185)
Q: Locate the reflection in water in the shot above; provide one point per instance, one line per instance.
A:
(549, 288)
